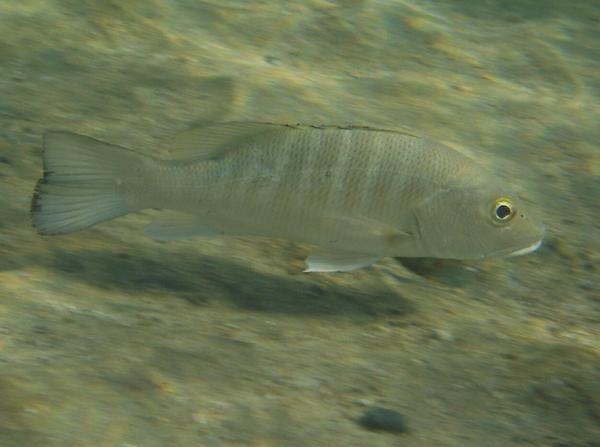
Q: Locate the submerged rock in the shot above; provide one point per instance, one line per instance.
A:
(384, 419)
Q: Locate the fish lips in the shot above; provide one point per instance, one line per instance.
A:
(510, 252)
(529, 249)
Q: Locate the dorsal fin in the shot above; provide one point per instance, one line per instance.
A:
(213, 142)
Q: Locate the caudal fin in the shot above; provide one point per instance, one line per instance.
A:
(82, 183)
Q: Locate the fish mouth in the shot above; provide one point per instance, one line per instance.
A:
(510, 252)
(529, 249)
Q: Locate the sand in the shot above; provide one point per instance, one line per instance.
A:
(108, 338)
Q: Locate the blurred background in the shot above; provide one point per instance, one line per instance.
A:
(109, 338)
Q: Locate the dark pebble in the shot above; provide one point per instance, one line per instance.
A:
(384, 419)
(271, 60)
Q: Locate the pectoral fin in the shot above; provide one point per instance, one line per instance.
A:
(361, 226)
(338, 261)
(174, 226)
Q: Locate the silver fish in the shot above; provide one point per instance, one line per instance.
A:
(359, 194)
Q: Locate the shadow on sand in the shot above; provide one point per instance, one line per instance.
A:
(202, 279)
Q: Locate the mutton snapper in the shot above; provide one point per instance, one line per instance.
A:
(359, 194)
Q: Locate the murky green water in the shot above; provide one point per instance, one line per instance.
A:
(108, 338)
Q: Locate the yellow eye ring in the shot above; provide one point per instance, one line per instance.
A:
(503, 210)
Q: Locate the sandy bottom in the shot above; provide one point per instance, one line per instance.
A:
(108, 338)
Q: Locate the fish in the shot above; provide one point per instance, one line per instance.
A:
(356, 194)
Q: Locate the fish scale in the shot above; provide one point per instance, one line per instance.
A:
(339, 170)
(357, 193)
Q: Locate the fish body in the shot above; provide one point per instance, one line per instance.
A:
(357, 193)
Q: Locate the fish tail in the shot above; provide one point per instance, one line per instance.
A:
(84, 183)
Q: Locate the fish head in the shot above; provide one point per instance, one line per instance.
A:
(477, 221)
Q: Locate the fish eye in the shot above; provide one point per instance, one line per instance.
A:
(503, 210)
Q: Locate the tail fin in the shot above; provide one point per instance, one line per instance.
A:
(82, 183)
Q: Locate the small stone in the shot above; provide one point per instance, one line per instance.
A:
(272, 60)
(441, 334)
(384, 419)
(363, 402)
(563, 249)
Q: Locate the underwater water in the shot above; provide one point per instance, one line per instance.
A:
(110, 338)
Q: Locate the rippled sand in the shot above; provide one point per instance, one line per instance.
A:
(108, 338)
